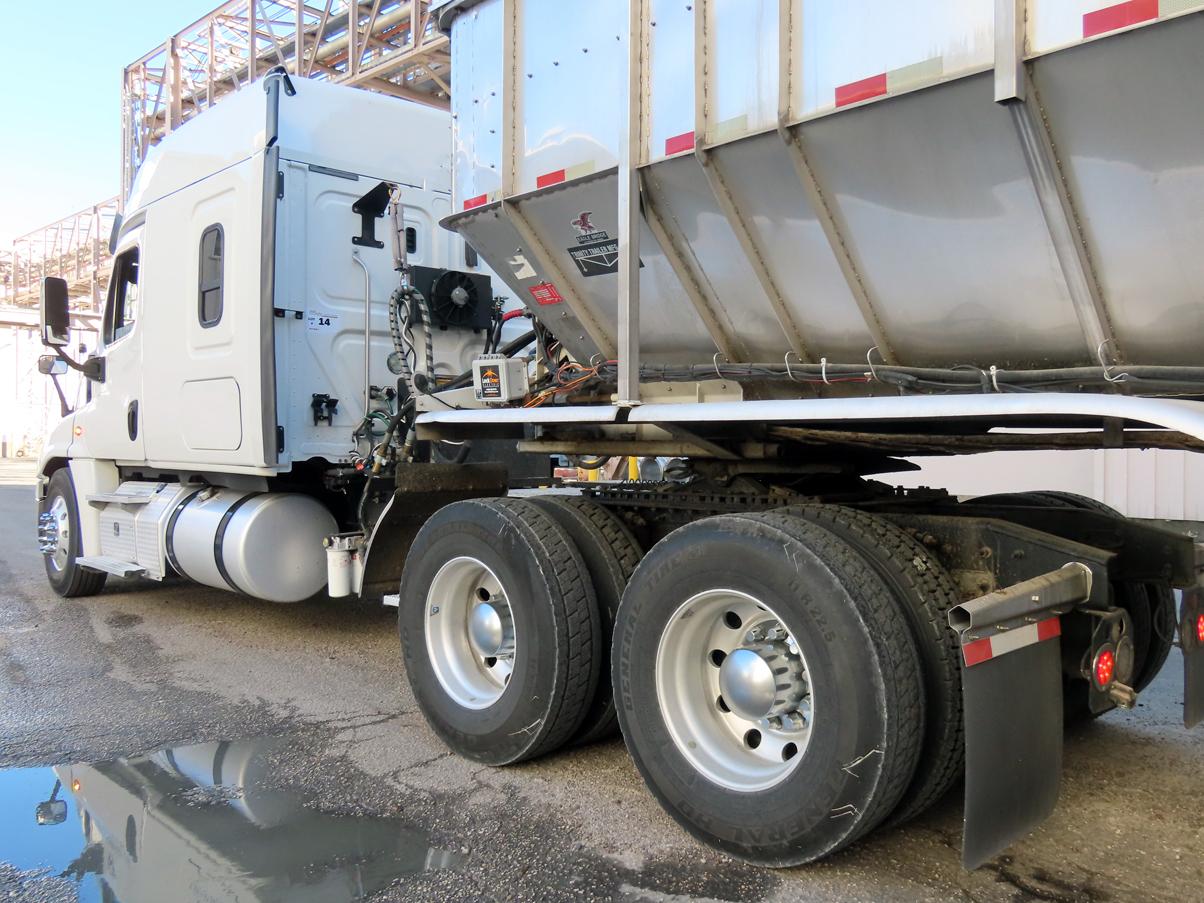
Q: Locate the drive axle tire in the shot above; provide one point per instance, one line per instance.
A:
(499, 630)
(58, 529)
(768, 687)
(611, 554)
(925, 592)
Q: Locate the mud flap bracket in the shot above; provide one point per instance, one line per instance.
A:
(1012, 698)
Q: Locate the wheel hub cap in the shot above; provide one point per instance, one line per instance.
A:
(748, 684)
(54, 533)
(734, 690)
(762, 679)
(470, 633)
(487, 631)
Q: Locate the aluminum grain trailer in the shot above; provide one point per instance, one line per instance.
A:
(788, 244)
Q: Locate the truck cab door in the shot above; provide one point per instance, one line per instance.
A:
(110, 427)
(327, 265)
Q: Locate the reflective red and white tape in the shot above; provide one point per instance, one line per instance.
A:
(892, 82)
(979, 651)
(1133, 12)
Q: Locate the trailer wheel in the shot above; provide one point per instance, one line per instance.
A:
(1163, 624)
(768, 687)
(925, 592)
(1048, 498)
(1151, 608)
(499, 630)
(611, 554)
(59, 538)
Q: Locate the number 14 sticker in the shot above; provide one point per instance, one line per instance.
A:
(324, 322)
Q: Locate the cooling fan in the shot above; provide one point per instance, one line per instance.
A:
(457, 300)
(454, 299)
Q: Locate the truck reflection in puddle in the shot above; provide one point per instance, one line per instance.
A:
(203, 823)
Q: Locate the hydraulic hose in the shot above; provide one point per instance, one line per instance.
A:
(507, 350)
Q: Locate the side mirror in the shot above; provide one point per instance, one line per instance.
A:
(49, 365)
(52, 812)
(56, 316)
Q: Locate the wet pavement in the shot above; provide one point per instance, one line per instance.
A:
(228, 749)
(204, 820)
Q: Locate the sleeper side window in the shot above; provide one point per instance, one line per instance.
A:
(121, 312)
(212, 272)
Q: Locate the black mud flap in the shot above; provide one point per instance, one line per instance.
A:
(1191, 638)
(1012, 696)
(1013, 707)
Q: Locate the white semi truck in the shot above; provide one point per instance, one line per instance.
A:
(787, 245)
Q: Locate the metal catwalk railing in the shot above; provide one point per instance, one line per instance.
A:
(389, 46)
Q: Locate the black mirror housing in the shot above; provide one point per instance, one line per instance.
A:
(94, 368)
(56, 315)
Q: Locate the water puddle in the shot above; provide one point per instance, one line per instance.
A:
(194, 823)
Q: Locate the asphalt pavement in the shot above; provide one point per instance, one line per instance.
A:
(219, 747)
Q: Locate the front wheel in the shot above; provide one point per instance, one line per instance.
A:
(59, 540)
(768, 687)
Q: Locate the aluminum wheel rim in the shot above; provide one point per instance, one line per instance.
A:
(55, 533)
(735, 750)
(470, 637)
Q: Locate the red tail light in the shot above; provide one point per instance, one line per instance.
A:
(1200, 629)
(1105, 667)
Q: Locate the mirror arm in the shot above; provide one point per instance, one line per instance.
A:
(64, 408)
(69, 361)
(93, 368)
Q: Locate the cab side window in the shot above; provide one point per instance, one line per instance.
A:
(212, 275)
(121, 311)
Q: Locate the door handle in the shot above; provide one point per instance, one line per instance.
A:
(131, 419)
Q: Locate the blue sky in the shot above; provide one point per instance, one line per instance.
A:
(60, 99)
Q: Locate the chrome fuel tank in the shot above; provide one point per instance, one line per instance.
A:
(1010, 183)
(264, 544)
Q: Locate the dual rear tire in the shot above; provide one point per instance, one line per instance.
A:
(831, 750)
(505, 618)
(784, 681)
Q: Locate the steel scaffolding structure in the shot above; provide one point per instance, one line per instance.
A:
(75, 248)
(6, 277)
(389, 46)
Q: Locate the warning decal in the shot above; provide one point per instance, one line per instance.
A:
(545, 294)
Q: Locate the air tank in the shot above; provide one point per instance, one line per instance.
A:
(264, 544)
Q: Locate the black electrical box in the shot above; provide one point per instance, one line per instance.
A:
(457, 300)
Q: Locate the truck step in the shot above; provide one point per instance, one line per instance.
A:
(119, 498)
(110, 565)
